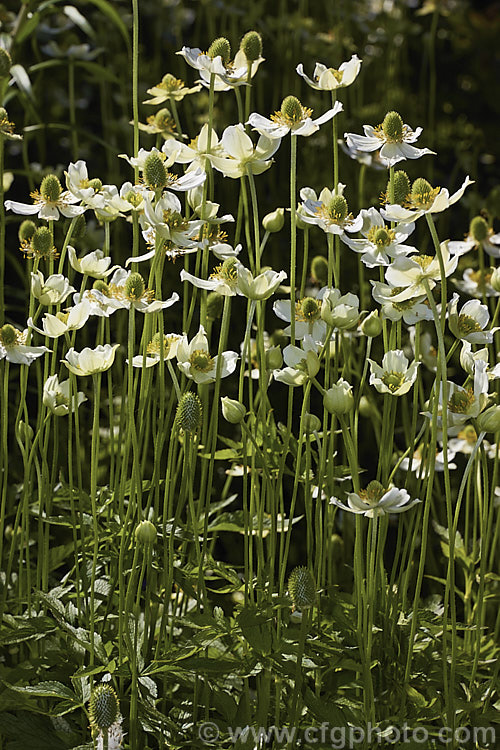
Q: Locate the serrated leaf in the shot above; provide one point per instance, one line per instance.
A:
(48, 689)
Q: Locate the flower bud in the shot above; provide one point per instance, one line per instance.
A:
(5, 63)
(302, 587)
(155, 174)
(220, 48)
(338, 399)
(145, 533)
(274, 221)
(319, 270)
(233, 411)
(50, 189)
(103, 707)
(495, 279)
(489, 420)
(215, 303)
(274, 358)
(311, 424)
(251, 44)
(189, 413)
(372, 325)
(26, 230)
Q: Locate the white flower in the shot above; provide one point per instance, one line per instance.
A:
(469, 324)
(307, 313)
(170, 88)
(292, 118)
(465, 441)
(241, 156)
(56, 325)
(226, 76)
(49, 202)
(56, 396)
(78, 183)
(375, 500)
(381, 243)
(329, 79)
(416, 462)
(339, 310)
(195, 361)
(392, 137)
(411, 310)
(425, 200)
(395, 376)
(476, 283)
(259, 287)
(127, 289)
(115, 736)
(223, 279)
(330, 211)
(154, 353)
(411, 272)
(468, 358)
(302, 364)
(13, 346)
(52, 291)
(480, 235)
(463, 403)
(94, 264)
(90, 361)
(196, 152)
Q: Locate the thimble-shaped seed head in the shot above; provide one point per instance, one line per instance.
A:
(392, 127)
(26, 230)
(337, 208)
(189, 413)
(155, 174)
(50, 189)
(103, 707)
(402, 187)
(134, 286)
(251, 44)
(220, 47)
(8, 335)
(302, 587)
(478, 228)
(291, 109)
(101, 286)
(42, 241)
(421, 193)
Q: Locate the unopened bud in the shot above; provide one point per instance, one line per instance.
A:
(145, 533)
(215, 303)
(311, 424)
(233, 411)
(274, 358)
(372, 325)
(489, 420)
(274, 221)
(338, 399)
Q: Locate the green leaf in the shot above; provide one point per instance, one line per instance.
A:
(48, 689)
(417, 698)
(256, 629)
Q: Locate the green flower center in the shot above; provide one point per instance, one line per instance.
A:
(467, 325)
(42, 242)
(220, 47)
(479, 228)
(155, 174)
(227, 271)
(381, 237)
(423, 194)
(170, 83)
(373, 493)
(8, 335)
(50, 189)
(251, 44)
(337, 209)
(175, 220)
(461, 401)
(201, 360)
(308, 310)
(393, 380)
(134, 287)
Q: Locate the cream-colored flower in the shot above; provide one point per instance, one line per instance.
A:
(56, 325)
(90, 361)
(154, 353)
(292, 118)
(380, 243)
(94, 264)
(56, 396)
(424, 199)
(13, 346)
(195, 361)
(51, 291)
(302, 364)
(330, 79)
(241, 156)
(469, 325)
(411, 272)
(170, 88)
(395, 376)
(329, 211)
(376, 500)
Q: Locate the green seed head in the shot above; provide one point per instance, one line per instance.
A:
(101, 286)
(4, 115)
(134, 286)
(8, 335)
(215, 303)
(392, 127)
(421, 193)
(42, 242)
(220, 48)
(26, 230)
(79, 228)
(291, 109)
(163, 119)
(310, 309)
(402, 187)
(96, 184)
(189, 413)
(382, 237)
(169, 81)
(251, 44)
(50, 189)
(338, 208)
(302, 587)
(103, 707)
(478, 228)
(155, 174)
(145, 533)
(375, 491)
(319, 269)
(5, 62)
